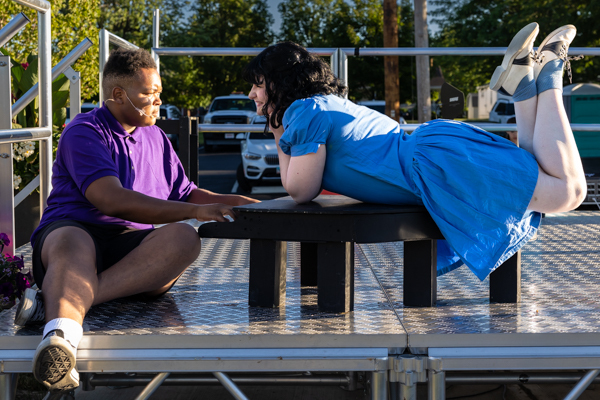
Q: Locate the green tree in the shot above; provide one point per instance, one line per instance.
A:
(489, 23)
(337, 23)
(194, 81)
(72, 22)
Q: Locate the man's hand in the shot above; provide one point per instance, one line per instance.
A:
(214, 212)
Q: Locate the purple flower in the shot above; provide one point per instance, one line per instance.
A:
(4, 240)
(25, 65)
(18, 262)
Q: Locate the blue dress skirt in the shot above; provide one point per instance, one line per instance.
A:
(476, 186)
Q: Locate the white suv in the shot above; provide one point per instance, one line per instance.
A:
(260, 161)
(236, 108)
(503, 112)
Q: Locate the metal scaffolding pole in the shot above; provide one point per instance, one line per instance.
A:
(12, 28)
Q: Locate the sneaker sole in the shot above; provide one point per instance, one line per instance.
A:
(25, 307)
(519, 42)
(537, 70)
(53, 364)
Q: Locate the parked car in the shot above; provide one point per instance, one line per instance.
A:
(377, 105)
(85, 107)
(503, 111)
(260, 162)
(168, 111)
(236, 108)
(171, 112)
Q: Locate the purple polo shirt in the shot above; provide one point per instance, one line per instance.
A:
(94, 145)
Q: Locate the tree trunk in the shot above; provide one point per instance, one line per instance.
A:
(392, 78)
(422, 40)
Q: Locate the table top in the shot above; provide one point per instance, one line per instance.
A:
(327, 204)
(329, 218)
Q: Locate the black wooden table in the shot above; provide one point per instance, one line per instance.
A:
(327, 229)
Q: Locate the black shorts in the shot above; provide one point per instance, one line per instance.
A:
(113, 242)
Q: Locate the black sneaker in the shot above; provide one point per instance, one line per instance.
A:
(30, 309)
(54, 363)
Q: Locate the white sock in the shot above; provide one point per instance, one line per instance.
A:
(71, 328)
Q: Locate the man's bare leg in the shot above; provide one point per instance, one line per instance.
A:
(71, 285)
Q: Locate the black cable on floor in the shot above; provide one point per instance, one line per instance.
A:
(478, 394)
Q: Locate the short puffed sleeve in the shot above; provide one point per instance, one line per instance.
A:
(307, 126)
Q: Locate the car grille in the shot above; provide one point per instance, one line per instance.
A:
(593, 191)
(270, 173)
(229, 119)
(272, 159)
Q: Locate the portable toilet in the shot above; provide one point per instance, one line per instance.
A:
(582, 104)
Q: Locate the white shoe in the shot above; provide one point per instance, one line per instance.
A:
(518, 61)
(54, 363)
(554, 46)
(30, 309)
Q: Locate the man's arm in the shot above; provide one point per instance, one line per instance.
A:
(203, 196)
(112, 199)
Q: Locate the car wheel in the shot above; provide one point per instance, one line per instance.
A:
(209, 148)
(243, 182)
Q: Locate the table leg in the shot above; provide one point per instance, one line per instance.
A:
(336, 277)
(505, 281)
(420, 273)
(268, 262)
(308, 264)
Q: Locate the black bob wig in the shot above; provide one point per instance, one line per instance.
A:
(289, 72)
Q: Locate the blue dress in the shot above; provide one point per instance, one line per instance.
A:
(476, 185)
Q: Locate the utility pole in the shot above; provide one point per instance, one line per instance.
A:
(392, 78)
(422, 40)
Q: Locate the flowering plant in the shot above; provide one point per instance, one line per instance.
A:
(12, 281)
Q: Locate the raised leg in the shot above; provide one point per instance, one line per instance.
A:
(561, 183)
(505, 281)
(336, 277)
(420, 273)
(268, 264)
(308, 264)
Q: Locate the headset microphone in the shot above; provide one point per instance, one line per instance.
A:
(138, 109)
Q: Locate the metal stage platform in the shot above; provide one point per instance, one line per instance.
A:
(205, 324)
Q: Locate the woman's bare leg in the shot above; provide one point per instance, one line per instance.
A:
(526, 114)
(561, 183)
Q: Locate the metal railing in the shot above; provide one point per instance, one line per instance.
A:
(339, 66)
(44, 133)
(43, 89)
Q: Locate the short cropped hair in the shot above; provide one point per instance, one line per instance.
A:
(290, 72)
(124, 64)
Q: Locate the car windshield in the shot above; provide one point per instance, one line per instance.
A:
(233, 104)
(261, 135)
(510, 109)
(376, 107)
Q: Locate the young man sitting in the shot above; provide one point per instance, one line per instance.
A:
(115, 174)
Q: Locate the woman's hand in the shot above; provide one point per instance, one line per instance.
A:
(214, 212)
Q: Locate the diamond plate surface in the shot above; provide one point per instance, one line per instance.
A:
(560, 281)
(211, 298)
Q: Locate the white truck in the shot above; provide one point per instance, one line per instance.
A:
(236, 108)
